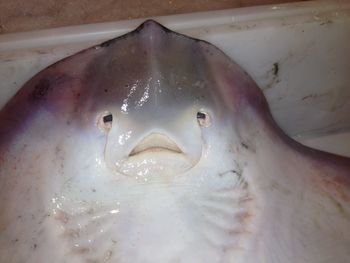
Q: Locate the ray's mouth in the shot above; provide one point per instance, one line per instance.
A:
(155, 156)
(155, 143)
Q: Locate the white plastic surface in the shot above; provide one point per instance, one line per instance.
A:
(298, 53)
(338, 143)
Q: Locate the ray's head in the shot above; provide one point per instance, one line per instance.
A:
(151, 92)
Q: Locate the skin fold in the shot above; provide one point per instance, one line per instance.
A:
(157, 148)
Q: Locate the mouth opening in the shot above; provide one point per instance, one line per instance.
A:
(155, 143)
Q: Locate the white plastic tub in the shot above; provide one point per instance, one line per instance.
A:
(298, 53)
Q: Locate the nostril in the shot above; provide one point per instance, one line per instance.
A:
(108, 118)
(203, 119)
(201, 115)
(105, 120)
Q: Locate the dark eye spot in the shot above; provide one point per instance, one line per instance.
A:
(201, 115)
(108, 118)
(203, 119)
(105, 120)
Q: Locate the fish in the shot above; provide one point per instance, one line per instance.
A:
(155, 147)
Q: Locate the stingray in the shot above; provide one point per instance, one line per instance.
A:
(155, 147)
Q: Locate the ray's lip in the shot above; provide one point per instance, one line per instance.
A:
(155, 142)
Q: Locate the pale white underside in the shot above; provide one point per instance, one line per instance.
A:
(59, 203)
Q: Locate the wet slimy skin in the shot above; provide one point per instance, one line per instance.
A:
(156, 148)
